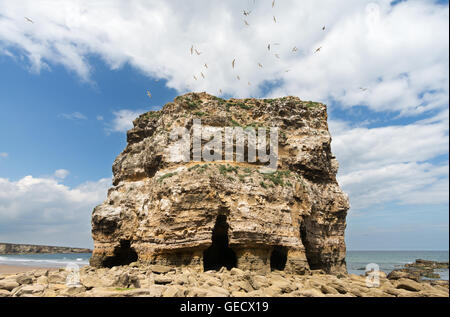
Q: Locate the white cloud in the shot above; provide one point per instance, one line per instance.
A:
(407, 183)
(364, 148)
(399, 52)
(61, 173)
(74, 116)
(123, 120)
(48, 209)
(4, 154)
(393, 163)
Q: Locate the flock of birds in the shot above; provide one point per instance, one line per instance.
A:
(233, 63)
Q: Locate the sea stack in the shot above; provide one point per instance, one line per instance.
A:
(229, 212)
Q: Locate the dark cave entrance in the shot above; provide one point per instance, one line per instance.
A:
(124, 254)
(309, 255)
(219, 254)
(278, 259)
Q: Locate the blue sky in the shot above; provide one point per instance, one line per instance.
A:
(70, 86)
(45, 140)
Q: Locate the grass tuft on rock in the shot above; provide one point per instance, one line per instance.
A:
(166, 176)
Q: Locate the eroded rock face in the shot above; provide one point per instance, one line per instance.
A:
(225, 213)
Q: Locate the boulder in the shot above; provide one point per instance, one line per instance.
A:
(74, 290)
(408, 285)
(24, 279)
(311, 293)
(4, 293)
(28, 290)
(157, 290)
(56, 278)
(172, 291)
(8, 284)
(161, 269)
(159, 279)
(42, 280)
(400, 274)
(328, 290)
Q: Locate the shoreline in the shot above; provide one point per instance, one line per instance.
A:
(12, 269)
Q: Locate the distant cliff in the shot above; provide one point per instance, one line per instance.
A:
(11, 248)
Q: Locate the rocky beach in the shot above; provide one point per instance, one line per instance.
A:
(163, 281)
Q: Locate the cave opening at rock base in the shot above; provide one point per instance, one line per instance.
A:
(278, 258)
(124, 254)
(219, 254)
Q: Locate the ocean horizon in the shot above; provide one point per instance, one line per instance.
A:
(356, 259)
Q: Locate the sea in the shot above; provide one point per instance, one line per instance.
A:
(56, 260)
(390, 260)
(356, 260)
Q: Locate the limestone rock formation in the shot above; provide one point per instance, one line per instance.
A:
(206, 215)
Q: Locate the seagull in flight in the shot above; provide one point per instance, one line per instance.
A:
(194, 77)
(363, 89)
(323, 29)
(206, 65)
(197, 52)
(232, 63)
(247, 13)
(220, 90)
(277, 56)
(29, 20)
(202, 75)
(274, 19)
(268, 47)
(246, 23)
(273, 3)
(287, 70)
(249, 84)
(239, 78)
(318, 50)
(295, 49)
(149, 94)
(260, 65)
